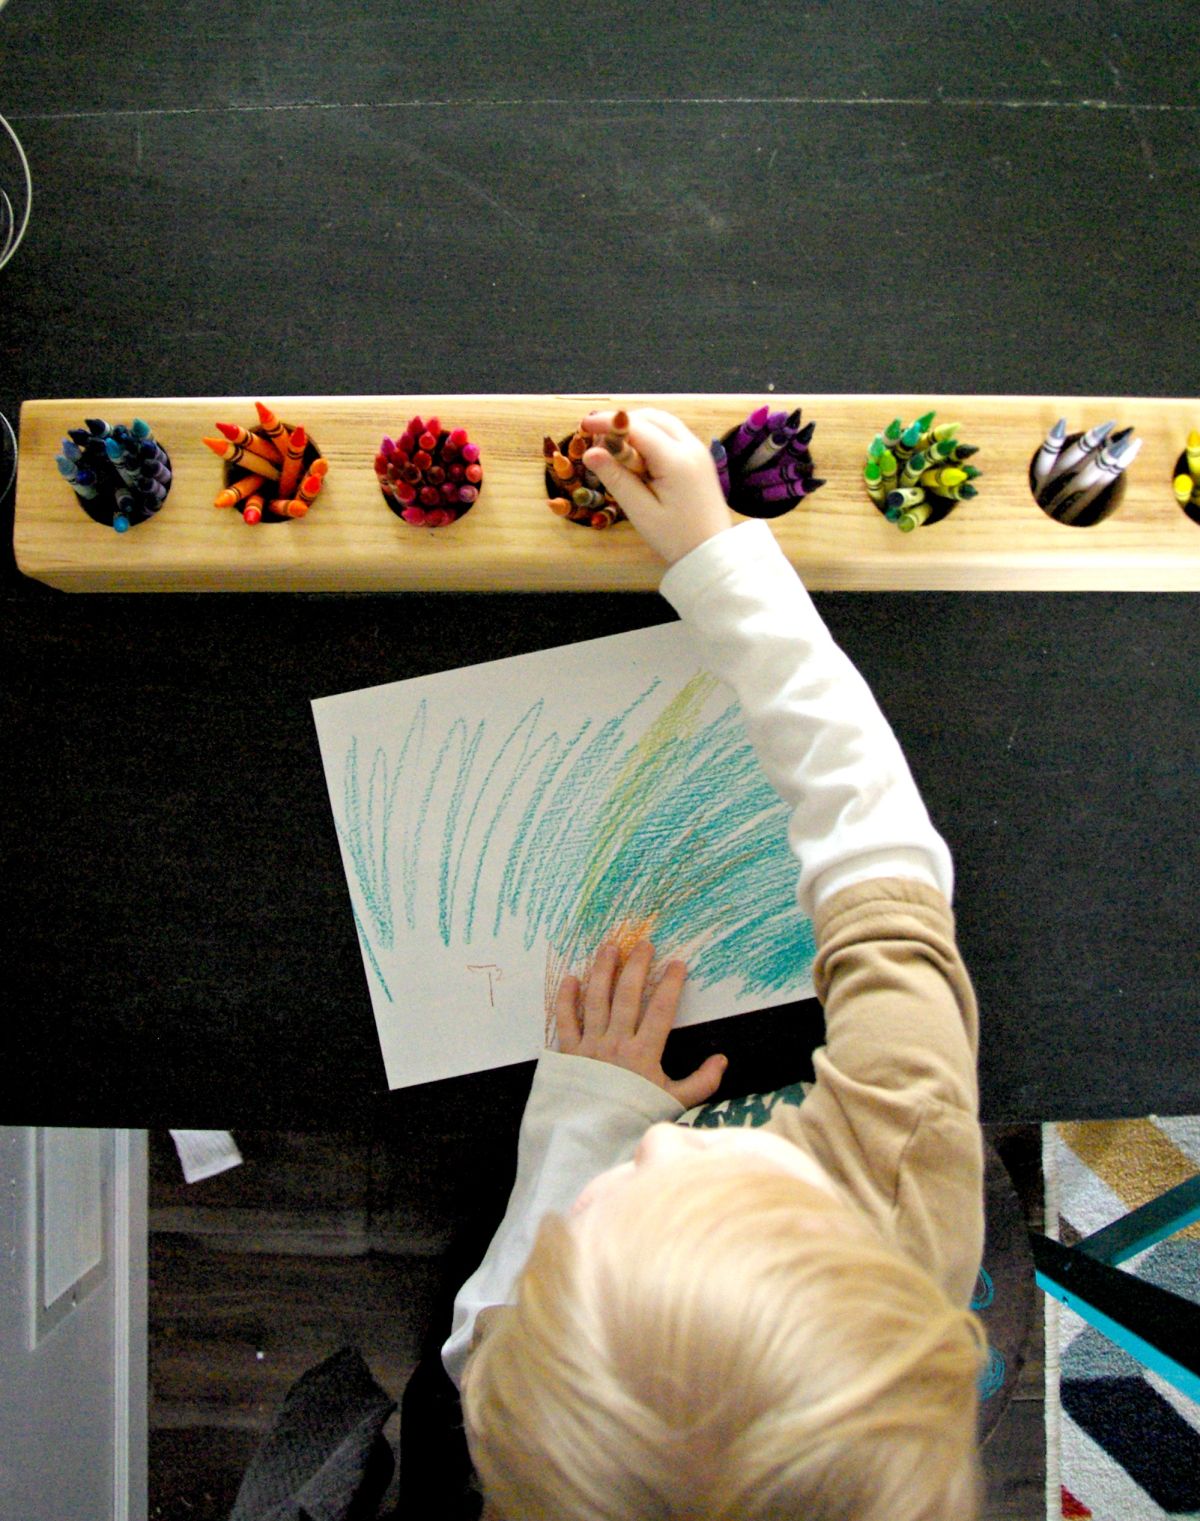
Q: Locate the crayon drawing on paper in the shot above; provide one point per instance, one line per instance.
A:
(498, 822)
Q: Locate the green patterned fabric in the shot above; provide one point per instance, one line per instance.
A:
(752, 1109)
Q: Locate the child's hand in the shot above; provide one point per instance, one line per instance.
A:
(679, 502)
(609, 1024)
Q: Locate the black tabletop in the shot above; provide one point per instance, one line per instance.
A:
(854, 197)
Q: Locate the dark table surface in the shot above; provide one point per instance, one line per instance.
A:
(849, 197)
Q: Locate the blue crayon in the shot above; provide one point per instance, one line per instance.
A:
(97, 427)
(141, 431)
(721, 458)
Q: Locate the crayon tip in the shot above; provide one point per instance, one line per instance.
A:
(217, 445)
(1193, 439)
(758, 417)
(1059, 430)
(120, 522)
(298, 439)
(620, 421)
(228, 430)
(252, 514)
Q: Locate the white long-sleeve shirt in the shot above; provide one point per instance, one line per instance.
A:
(857, 820)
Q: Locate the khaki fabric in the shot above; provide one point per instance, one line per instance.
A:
(893, 1116)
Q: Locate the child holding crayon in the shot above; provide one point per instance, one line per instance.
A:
(748, 1323)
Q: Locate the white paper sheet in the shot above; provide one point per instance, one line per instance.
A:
(496, 822)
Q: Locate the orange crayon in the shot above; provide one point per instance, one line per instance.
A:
(309, 488)
(236, 434)
(239, 491)
(293, 464)
(562, 506)
(273, 428)
(234, 454)
(319, 467)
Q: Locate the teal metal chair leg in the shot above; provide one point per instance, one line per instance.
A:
(1160, 1329)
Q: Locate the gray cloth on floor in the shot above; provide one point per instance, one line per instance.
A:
(319, 1459)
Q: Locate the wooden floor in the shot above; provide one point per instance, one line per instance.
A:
(318, 1241)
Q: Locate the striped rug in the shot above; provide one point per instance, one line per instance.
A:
(1122, 1444)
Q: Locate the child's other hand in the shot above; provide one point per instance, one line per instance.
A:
(611, 1020)
(679, 503)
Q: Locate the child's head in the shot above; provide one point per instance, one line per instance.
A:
(718, 1335)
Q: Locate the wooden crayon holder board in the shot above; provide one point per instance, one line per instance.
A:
(511, 541)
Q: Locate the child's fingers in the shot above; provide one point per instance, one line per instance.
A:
(659, 1017)
(597, 996)
(566, 1014)
(630, 490)
(702, 1084)
(631, 986)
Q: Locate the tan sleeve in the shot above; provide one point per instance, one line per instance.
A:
(893, 1116)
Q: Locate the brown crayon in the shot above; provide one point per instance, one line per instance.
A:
(618, 445)
(293, 464)
(234, 454)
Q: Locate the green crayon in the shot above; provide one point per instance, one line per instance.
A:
(888, 468)
(894, 429)
(909, 440)
(913, 467)
(876, 490)
(913, 518)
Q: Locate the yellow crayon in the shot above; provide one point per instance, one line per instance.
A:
(1193, 454)
(1184, 486)
(944, 478)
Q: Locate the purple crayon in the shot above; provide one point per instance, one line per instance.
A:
(750, 434)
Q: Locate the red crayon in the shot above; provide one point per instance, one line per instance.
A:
(236, 434)
(272, 427)
(293, 463)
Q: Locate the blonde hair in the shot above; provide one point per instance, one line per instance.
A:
(717, 1342)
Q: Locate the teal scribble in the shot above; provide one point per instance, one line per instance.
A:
(375, 967)
(676, 835)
